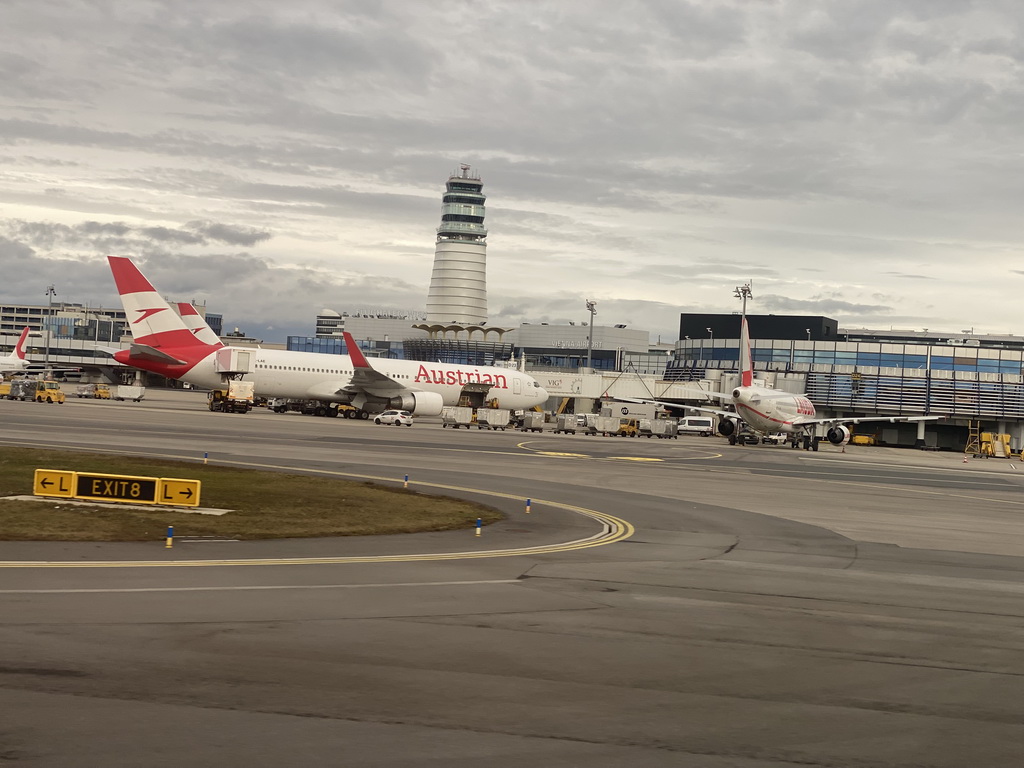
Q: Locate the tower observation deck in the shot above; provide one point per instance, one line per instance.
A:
(458, 283)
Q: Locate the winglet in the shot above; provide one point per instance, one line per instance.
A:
(358, 358)
(19, 348)
(746, 360)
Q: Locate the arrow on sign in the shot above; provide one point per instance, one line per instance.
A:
(60, 486)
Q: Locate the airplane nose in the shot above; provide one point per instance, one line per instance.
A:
(542, 395)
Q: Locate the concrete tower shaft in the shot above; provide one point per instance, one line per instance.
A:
(458, 283)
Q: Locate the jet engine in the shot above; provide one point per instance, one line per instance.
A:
(726, 427)
(419, 403)
(838, 435)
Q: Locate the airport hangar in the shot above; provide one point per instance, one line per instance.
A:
(965, 378)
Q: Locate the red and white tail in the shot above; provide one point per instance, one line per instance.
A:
(19, 348)
(199, 327)
(151, 319)
(746, 360)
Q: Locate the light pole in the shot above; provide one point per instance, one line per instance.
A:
(743, 292)
(50, 293)
(592, 308)
(711, 345)
(808, 334)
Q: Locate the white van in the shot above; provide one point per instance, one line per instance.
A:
(697, 425)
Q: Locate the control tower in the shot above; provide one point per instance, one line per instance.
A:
(458, 284)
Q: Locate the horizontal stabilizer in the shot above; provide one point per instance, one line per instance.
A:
(146, 352)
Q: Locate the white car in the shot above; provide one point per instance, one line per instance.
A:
(398, 418)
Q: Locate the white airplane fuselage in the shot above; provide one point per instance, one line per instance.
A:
(318, 376)
(768, 410)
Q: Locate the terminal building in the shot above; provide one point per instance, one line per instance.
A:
(966, 379)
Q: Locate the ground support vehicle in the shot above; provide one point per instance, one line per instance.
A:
(456, 416)
(628, 428)
(316, 408)
(606, 426)
(775, 438)
(237, 398)
(629, 410)
(696, 425)
(48, 392)
(5, 390)
(566, 423)
(93, 391)
(745, 436)
(130, 392)
(533, 421)
(492, 418)
(22, 389)
(659, 428)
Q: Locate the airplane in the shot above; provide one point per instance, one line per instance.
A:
(164, 343)
(17, 362)
(770, 411)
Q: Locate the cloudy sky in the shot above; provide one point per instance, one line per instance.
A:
(858, 159)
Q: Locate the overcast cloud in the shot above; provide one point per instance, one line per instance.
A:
(858, 159)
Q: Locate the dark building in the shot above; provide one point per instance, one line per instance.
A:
(722, 326)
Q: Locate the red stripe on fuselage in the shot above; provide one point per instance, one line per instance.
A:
(764, 416)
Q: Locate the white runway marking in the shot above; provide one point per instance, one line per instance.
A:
(255, 589)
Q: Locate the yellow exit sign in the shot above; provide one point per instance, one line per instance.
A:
(90, 486)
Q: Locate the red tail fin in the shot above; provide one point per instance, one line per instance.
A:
(746, 359)
(19, 348)
(150, 317)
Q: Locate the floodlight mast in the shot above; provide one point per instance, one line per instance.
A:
(592, 308)
(743, 292)
(50, 293)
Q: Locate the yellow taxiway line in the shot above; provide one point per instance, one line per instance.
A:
(613, 529)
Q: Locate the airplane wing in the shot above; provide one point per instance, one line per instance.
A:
(146, 352)
(861, 420)
(682, 407)
(367, 378)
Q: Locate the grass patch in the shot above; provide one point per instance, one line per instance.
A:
(268, 505)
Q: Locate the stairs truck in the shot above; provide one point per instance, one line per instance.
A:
(237, 398)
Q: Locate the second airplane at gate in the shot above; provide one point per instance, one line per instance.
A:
(166, 344)
(768, 411)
